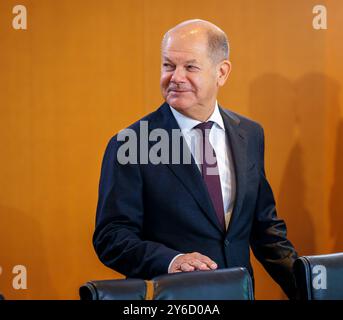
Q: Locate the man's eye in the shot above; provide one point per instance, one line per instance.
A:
(167, 66)
(191, 68)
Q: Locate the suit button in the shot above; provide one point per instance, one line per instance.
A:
(226, 243)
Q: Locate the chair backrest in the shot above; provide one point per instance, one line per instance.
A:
(221, 284)
(119, 289)
(320, 277)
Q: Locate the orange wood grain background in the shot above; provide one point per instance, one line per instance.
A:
(83, 70)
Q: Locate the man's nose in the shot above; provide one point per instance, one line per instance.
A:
(178, 75)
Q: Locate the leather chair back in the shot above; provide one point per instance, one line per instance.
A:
(320, 277)
(119, 289)
(221, 284)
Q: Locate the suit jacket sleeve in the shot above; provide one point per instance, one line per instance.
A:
(269, 241)
(118, 239)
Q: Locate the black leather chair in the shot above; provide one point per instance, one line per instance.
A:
(2, 297)
(120, 289)
(221, 284)
(320, 277)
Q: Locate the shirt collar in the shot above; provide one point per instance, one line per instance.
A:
(187, 123)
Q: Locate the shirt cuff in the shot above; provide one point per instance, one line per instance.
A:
(181, 254)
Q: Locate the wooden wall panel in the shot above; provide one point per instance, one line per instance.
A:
(83, 70)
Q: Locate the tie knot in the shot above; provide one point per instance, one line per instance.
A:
(204, 126)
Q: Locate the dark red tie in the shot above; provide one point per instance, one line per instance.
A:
(210, 172)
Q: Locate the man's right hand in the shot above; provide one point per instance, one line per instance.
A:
(191, 262)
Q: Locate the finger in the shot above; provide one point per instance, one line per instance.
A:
(186, 267)
(209, 262)
(175, 270)
(199, 265)
(213, 265)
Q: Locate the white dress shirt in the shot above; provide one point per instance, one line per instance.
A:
(219, 141)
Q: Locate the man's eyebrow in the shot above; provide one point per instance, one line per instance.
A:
(188, 61)
(166, 58)
(192, 61)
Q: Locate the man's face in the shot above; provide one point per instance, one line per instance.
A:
(188, 74)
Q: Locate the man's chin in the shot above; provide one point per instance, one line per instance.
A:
(179, 104)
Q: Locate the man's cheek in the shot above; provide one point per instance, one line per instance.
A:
(164, 86)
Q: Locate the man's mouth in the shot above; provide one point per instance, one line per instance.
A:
(177, 90)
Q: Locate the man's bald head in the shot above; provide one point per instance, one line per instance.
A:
(217, 41)
(194, 66)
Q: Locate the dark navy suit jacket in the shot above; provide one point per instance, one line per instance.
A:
(148, 213)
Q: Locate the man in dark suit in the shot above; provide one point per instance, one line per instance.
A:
(155, 217)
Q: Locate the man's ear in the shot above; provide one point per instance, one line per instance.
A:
(223, 71)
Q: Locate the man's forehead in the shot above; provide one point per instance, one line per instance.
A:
(190, 38)
(183, 47)
(184, 54)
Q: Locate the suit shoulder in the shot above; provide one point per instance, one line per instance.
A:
(244, 121)
(151, 117)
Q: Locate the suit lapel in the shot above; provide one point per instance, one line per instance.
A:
(188, 174)
(238, 144)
